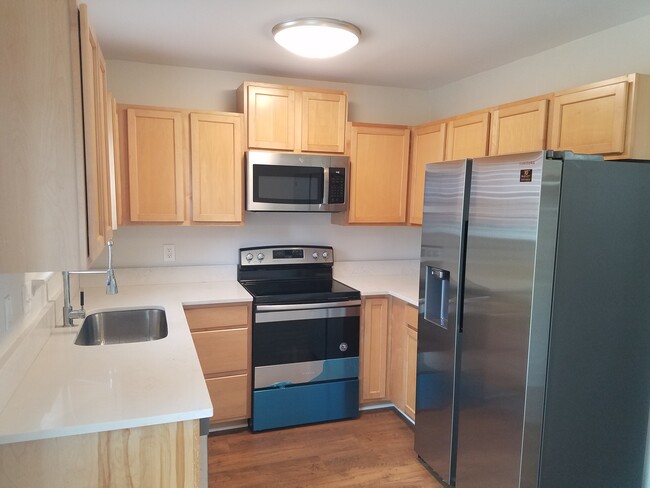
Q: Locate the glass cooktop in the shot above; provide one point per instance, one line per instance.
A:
(300, 291)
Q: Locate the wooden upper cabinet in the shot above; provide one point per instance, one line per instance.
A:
(96, 138)
(428, 146)
(379, 174)
(217, 165)
(271, 118)
(591, 119)
(467, 136)
(519, 127)
(323, 122)
(155, 164)
(180, 166)
(293, 119)
(42, 187)
(611, 117)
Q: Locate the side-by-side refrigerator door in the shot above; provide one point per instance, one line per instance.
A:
(445, 204)
(499, 276)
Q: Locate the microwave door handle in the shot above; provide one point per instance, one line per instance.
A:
(326, 186)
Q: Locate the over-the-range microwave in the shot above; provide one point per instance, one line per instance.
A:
(289, 182)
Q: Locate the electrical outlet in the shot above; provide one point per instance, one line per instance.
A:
(169, 253)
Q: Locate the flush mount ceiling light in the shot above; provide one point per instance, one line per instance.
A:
(315, 37)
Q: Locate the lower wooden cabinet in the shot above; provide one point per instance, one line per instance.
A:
(230, 396)
(222, 337)
(374, 349)
(403, 356)
(410, 369)
(154, 455)
(222, 350)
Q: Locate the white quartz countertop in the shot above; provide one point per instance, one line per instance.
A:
(403, 287)
(72, 389)
(398, 279)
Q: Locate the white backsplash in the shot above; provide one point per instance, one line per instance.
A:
(164, 275)
(142, 246)
(377, 268)
(31, 306)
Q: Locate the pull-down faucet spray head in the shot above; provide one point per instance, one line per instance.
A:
(111, 283)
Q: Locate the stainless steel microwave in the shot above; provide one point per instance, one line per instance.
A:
(289, 182)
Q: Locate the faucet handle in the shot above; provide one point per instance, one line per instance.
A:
(81, 298)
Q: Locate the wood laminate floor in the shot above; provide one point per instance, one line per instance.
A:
(375, 450)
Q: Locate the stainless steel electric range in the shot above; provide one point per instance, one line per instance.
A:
(305, 337)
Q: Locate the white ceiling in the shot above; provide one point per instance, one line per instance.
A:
(407, 43)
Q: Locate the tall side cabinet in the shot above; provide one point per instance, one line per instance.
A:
(50, 140)
(97, 110)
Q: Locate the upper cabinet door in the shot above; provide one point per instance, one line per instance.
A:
(519, 128)
(591, 119)
(428, 147)
(379, 167)
(42, 189)
(217, 165)
(271, 118)
(96, 139)
(155, 159)
(467, 137)
(323, 122)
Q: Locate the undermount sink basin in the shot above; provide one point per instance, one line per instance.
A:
(123, 326)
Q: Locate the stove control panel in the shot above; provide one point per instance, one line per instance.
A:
(285, 255)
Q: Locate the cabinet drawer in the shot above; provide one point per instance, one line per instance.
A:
(213, 317)
(221, 351)
(412, 317)
(230, 397)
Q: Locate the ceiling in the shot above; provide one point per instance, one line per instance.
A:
(418, 44)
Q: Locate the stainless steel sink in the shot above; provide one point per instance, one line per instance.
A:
(123, 326)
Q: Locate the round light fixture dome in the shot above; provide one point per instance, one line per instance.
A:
(315, 37)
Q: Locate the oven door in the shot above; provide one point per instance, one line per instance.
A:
(305, 343)
(306, 364)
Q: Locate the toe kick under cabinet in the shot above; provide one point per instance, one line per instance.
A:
(221, 335)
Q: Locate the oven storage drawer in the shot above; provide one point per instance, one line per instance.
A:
(305, 404)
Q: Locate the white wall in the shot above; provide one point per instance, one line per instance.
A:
(613, 52)
(171, 86)
(22, 296)
(174, 86)
(142, 247)
(11, 304)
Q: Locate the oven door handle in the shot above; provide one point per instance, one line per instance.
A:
(306, 306)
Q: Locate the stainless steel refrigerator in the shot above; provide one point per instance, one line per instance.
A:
(533, 364)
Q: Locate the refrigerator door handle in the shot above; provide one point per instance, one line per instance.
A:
(436, 296)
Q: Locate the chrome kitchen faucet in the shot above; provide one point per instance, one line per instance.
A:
(69, 314)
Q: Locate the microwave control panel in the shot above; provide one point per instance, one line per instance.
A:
(337, 186)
